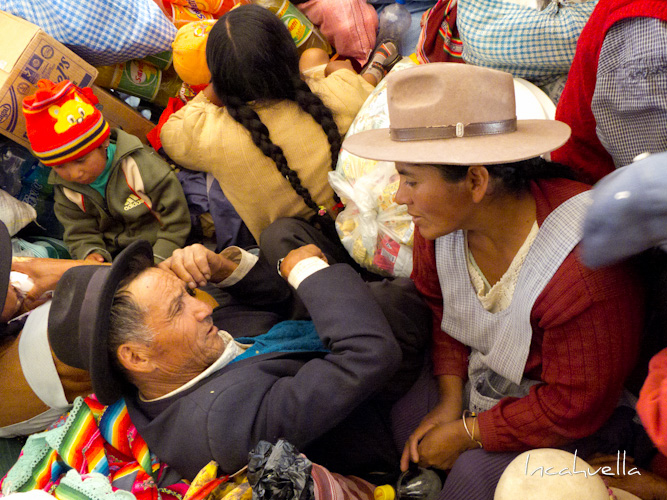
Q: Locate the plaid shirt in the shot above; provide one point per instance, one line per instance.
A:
(101, 32)
(630, 99)
(537, 45)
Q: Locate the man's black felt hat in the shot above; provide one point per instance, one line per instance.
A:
(84, 297)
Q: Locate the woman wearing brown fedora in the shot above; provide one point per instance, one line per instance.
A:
(530, 348)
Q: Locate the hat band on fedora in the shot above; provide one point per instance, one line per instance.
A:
(452, 131)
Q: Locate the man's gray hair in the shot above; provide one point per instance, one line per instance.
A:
(127, 319)
(127, 322)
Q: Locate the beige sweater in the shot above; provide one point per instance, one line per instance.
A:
(202, 136)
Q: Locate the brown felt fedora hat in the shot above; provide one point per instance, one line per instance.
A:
(457, 114)
(91, 308)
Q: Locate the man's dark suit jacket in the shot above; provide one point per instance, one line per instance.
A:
(302, 397)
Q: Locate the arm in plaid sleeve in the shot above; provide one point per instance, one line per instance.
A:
(538, 45)
(630, 99)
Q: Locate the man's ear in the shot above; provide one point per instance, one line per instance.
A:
(477, 181)
(133, 356)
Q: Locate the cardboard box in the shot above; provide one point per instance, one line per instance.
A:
(28, 54)
(121, 115)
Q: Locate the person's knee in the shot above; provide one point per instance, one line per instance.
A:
(337, 65)
(312, 57)
(402, 304)
(475, 474)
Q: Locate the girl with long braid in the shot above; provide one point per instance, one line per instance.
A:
(269, 137)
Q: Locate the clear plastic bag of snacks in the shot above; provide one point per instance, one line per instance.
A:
(376, 231)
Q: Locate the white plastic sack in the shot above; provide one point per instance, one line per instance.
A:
(14, 213)
(376, 232)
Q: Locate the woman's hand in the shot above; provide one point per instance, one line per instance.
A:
(447, 410)
(443, 413)
(443, 444)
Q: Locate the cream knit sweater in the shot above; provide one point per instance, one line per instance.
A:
(202, 136)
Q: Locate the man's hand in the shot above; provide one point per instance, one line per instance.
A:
(297, 255)
(45, 274)
(197, 265)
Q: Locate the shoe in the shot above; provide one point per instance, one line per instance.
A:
(392, 56)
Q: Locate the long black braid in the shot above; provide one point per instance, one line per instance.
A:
(252, 57)
(313, 105)
(247, 117)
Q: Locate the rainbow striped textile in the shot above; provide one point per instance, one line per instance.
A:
(93, 452)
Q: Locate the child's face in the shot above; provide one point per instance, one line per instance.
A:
(85, 169)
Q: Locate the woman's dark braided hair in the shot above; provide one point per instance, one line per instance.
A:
(515, 177)
(251, 57)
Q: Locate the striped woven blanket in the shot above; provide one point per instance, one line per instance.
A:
(95, 453)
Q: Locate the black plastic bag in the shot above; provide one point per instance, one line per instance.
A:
(279, 472)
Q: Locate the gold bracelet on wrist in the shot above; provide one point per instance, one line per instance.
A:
(471, 435)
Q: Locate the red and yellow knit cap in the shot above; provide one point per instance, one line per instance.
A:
(62, 122)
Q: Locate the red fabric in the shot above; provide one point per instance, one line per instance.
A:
(583, 151)
(153, 136)
(586, 332)
(439, 39)
(652, 404)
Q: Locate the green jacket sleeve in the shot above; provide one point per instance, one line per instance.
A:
(172, 209)
(82, 235)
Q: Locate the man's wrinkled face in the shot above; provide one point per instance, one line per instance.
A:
(185, 341)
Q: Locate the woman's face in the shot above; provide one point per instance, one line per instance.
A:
(437, 206)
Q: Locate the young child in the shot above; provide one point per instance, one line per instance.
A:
(110, 189)
(268, 136)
